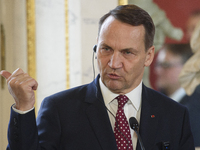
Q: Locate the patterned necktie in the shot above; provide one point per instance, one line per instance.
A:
(122, 130)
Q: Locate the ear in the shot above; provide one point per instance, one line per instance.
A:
(149, 56)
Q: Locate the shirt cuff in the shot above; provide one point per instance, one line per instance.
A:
(19, 111)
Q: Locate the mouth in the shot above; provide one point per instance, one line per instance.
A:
(113, 76)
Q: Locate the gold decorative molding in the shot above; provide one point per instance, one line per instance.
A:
(30, 16)
(122, 2)
(67, 45)
(31, 37)
(3, 55)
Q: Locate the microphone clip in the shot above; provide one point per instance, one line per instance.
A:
(165, 146)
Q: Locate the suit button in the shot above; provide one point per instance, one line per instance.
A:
(16, 137)
(15, 121)
(16, 127)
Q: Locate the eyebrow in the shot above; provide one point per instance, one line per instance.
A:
(130, 49)
(105, 45)
(124, 49)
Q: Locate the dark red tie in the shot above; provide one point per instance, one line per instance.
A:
(122, 130)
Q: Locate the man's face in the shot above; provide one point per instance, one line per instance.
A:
(121, 55)
(168, 68)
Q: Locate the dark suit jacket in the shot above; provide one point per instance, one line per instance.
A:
(193, 105)
(77, 119)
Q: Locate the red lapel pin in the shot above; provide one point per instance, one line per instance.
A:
(152, 116)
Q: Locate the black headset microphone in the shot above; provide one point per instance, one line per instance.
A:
(95, 48)
(132, 121)
(94, 51)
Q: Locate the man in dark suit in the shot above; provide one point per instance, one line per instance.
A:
(192, 103)
(83, 118)
(170, 61)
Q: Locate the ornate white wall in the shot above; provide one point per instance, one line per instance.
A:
(50, 47)
(51, 44)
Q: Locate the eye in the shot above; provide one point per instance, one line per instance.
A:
(106, 48)
(127, 52)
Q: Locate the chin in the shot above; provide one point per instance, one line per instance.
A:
(113, 86)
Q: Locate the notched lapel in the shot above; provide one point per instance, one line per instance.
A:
(100, 123)
(98, 117)
(148, 128)
(149, 121)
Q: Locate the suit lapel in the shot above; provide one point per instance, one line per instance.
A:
(98, 117)
(149, 120)
(100, 123)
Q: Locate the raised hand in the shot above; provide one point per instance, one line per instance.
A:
(21, 86)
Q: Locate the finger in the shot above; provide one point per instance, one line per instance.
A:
(23, 80)
(34, 87)
(5, 74)
(33, 84)
(19, 78)
(18, 71)
(30, 82)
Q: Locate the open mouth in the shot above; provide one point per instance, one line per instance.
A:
(113, 76)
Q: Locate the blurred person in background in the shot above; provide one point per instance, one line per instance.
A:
(190, 80)
(169, 63)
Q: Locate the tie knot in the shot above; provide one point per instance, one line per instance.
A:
(122, 100)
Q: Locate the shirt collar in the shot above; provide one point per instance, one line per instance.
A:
(178, 95)
(134, 96)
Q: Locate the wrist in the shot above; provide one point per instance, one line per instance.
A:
(19, 111)
(24, 107)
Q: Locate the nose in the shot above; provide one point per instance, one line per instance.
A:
(115, 61)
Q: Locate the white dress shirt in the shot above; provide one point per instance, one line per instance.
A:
(131, 109)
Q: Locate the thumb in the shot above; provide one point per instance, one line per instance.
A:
(5, 74)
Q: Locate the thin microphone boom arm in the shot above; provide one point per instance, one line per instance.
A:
(134, 125)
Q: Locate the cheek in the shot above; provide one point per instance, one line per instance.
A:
(133, 68)
(169, 75)
(102, 63)
(99, 65)
(175, 73)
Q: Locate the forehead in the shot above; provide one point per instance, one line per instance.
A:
(122, 33)
(167, 55)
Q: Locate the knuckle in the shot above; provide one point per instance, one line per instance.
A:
(26, 75)
(11, 81)
(14, 83)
